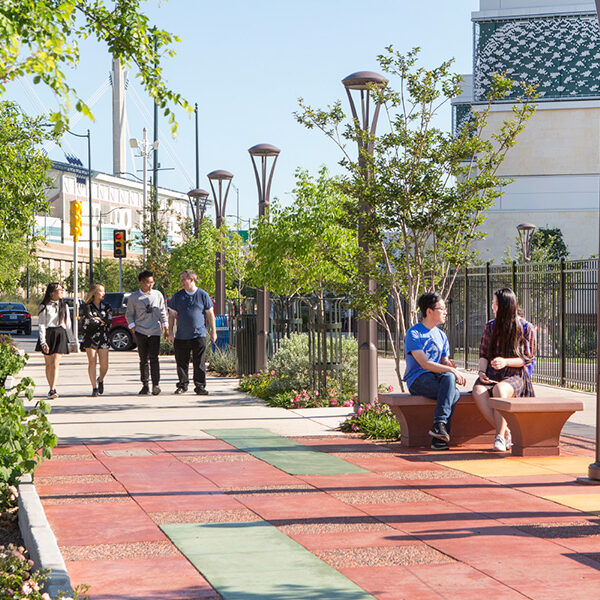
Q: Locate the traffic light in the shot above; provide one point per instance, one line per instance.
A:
(75, 220)
(119, 246)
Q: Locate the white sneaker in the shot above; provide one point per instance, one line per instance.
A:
(499, 444)
(508, 438)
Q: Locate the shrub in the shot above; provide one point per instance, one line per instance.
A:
(374, 421)
(19, 580)
(26, 435)
(259, 384)
(292, 365)
(166, 348)
(221, 361)
(11, 360)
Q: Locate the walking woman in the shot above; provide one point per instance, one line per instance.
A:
(96, 317)
(55, 333)
(506, 360)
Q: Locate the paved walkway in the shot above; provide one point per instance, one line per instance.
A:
(192, 497)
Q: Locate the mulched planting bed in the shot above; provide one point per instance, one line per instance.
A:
(9, 528)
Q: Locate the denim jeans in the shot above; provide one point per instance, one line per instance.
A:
(442, 388)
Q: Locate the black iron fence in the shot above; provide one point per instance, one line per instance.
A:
(558, 298)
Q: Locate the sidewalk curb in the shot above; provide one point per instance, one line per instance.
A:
(39, 538)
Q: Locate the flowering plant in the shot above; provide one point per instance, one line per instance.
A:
(373, 421)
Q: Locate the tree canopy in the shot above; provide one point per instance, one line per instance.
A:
(40, 38)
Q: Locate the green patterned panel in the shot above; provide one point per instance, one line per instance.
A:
(560, 54)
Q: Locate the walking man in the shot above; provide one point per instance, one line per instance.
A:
(193, 310)
(147, 317)
(430, 371)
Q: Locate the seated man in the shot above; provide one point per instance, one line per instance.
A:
(429, 370)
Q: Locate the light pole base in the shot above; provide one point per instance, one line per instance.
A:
(593, 477)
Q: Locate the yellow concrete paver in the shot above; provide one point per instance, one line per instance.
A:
(496, 467)
(567, 465)
(589, 503)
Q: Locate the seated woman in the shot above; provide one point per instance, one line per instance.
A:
(506, 358)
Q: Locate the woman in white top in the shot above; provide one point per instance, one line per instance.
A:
(55, 333)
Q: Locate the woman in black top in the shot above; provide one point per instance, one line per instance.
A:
(96, 317)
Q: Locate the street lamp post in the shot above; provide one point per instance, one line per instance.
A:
(198, 202)
(264, 177)
(220, 203)
(146, 148)
(365, 129)
(526, 231)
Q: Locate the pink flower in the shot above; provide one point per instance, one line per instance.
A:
(272, 372)
(297, 398)
(334, 402)
(347, 403)
(391, 389)
(316, 392)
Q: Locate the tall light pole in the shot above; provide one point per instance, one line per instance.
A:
(594, 468)
(526, 231)
(365, 133)
(264, 177)
(89, 169)
(146, 148)
(198, 202)
(220, 176)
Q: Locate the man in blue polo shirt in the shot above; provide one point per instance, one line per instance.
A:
(430, 371)
(193, 310)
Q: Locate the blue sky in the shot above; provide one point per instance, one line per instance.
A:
(246, 63)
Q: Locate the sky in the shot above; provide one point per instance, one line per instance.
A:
(246, 63)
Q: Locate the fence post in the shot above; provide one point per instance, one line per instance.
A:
(466, 319)
(562, 322)
(488, 300)
(514, 276)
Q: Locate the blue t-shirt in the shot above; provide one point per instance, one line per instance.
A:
(190, 308)
(432, 341)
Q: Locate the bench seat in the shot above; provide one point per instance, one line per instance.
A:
(536, 423)
(415, 415)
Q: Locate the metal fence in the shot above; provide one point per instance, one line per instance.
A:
(558, 298)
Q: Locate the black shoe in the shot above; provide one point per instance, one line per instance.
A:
(100, 385)
(144, 391)
(439, 431)
(201, 391)
(155, 390)
(94, 392)
(180, 390)
(437, 444)
(52, 395)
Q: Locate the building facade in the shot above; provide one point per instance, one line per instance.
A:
(117, 203)
(555, 165)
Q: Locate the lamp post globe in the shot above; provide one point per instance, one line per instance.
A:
(260, 155)
(221, 178)
(365, 123)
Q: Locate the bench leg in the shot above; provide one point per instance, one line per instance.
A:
(536, 433)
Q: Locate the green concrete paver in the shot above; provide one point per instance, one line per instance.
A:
(256, 561)
(287, 455)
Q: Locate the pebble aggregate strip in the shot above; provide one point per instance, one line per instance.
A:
(116, 551)
(66, 479)
(571, 529)
(269, 490)
(352, 454)
(382, 497)
(57, 457)
(382, 556)
(87, 498)
(204, 516)
(428, 474)
(323, 526)
(213, 458)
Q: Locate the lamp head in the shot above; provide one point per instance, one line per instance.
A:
(133, 143)
(264, 150)
(360, 79)
(220, 174)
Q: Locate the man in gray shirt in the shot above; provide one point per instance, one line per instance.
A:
(147, 318)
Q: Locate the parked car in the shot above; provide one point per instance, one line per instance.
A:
(117, 301)
(120, 336)
(14, 316)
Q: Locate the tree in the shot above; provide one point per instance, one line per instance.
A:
(426, 190)
(39, 38)
(304, 248)
(110, 274)
(23, 183)
(196, 253)
(547, 245)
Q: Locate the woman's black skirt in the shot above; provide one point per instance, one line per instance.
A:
(57, 340)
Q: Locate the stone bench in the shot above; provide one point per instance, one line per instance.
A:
(415, 415)
(536, 423)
